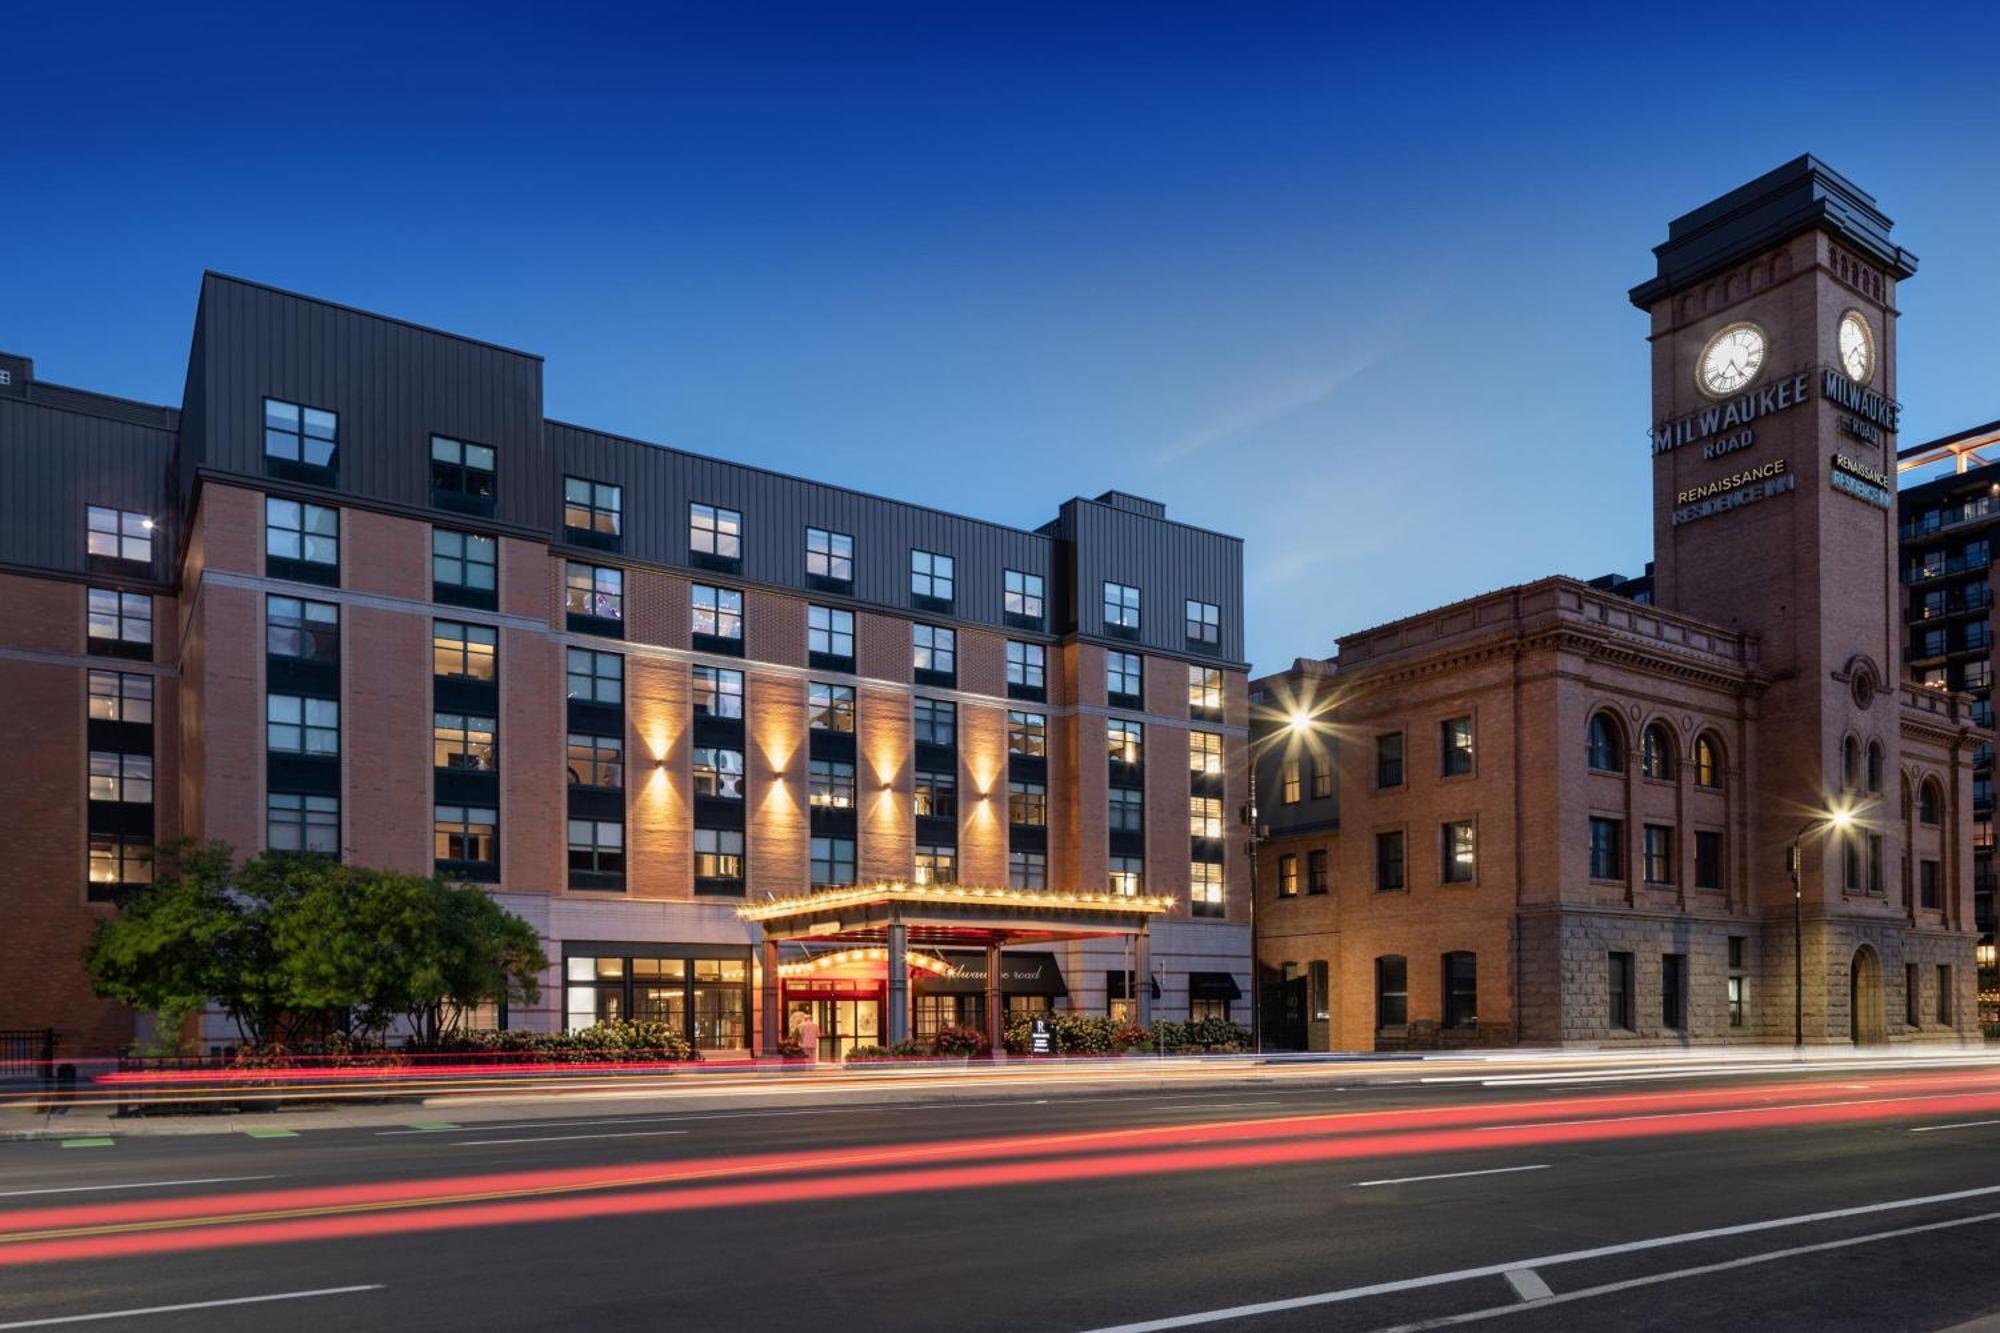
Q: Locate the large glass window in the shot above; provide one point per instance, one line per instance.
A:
(830, 707)
(1028, 804)
(118, 534)
(593, 677)
(830, 783)
(935, 648)
(1205, 888)
(300, 823)
(1121, 674)
(121, 696)
(1128, 875)
(120, 617)
(1605, 750)
(301, 628)
(1656, 753)
(936, 722)
(1027, 870)
(303, 532)
(1026, 665)
(718, 772)
(1204, 816)
(1121, 606)
(718, 612)
(596, 761)
(121, 777)
(597, 846)
(829, 555)
(1204, 752)
(466, 560)
(832, 862)
(458, 468)
(467, 652)
(593, 506)
(295, 725)
(463, 742)
(118, 859)
(935, 794)
(465, 833)
(1204, 622)
(936, 864)
(933, 575)
(1205, 690)
(1022, 594)
(718, 692)
(1127, 740)
(1127, 810)
(300, 434)
(713, 530)
(1607, 848)
(1027, 733)
(1707, 761)
(594, 590)
(830, 631)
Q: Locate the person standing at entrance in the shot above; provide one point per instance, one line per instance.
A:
(806, 1033)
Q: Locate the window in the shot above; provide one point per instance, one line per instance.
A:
(1128, 875)
(718, 612)
(718, 692)
(121, 696)
(1927, 883)
(1455, 848)
(715, 531)
(1659, 853)
(120, 860)
(465, 833)
(594, 590)
(463, 742)
(1389, 759)
(1322, 783)
(297, 823)
(466, 560)
(832, 862)
(593, 506)
(1734, 995)
(1121, 606)
(598, 678)
(1392, 992)
(1603, 749)
(117, 534)
(1204, 622)
(596, 761)
(830, 707)
(1707, 762)
(1874, 766)
(1127, 740)
(1318, 877)
(830, 784)
(1455, 746)
(718, 853)
(936, 864)
(120, 617)
(1204, 752)
(935, 794)
(1622, 1009)
(1656, 753)
(718, 772)
(1027, 734)
(121, 777)
(1205, 888)
(1736, 943)
(466, 652)
(1707, 859)
(1461, 990)
(1913, 995)
(829, 631)
(295, 725)
(932, 576)
(1673, 991)
(1028, 804)
(1290, 785)
(1026, 665)
(1944, 994)
(1022, 594)
(461, 469)
(1027, 870)
(1850, 763)
(1204, 816)
(300, 434)
(934, 649)
(300, 628)
(1389, 861)
(1288, 876)
(829, 555)
(1850, 856)
(1875, 863)
(1319, 982)
(597, 846)
(1127, 810)
(936, 722)
(1607, 848)
(1205, 690)
(306, 533)
(1121, 675)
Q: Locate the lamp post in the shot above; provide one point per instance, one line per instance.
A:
(1297, 723)
(1838, 820)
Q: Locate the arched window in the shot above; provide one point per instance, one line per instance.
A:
(1707, 761)
(1875, 766)
(1656, 752)
(1392, 991)
(1909, 806)
(1607, 753)
(1850, 763)
(1930, 803)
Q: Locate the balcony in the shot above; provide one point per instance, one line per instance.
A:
(1974, 598)
(1950, 517)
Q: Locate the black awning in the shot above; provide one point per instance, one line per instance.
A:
(1213, 986)
(1025, 973)
(1114, 985)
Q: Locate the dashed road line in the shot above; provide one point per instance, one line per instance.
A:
(565, 1138)
(1451, 1175)
(191, 1305)
(133, 1185)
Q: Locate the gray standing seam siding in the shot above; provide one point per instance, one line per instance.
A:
(55, 462)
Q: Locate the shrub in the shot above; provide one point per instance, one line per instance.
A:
(959, 1041)
(908, 1050)
(1131, 1035)
(1069, 1033)
(1202, 1034)
(861, 1055)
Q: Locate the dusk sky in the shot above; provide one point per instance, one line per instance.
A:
(1346, 282)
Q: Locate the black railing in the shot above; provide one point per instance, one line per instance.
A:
(27, 1053)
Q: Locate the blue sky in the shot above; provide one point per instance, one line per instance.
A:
(1347, 281)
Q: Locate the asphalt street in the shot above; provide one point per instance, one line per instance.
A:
(1836, 1199)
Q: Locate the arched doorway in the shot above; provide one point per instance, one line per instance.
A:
(1864, 997)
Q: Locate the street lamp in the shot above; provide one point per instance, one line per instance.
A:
(1839, 821)
(1297, 723)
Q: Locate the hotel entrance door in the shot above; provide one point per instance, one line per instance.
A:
(845, 1024)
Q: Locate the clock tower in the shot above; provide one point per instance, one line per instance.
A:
(1773, 441)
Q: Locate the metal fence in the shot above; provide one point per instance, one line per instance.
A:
(27, 1053)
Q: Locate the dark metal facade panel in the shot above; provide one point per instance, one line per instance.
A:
(55, 462)
(1170, 563)
(394, 385)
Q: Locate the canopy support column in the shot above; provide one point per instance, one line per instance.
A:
(768, 988)
(993, 1032)
(1142, 982)
(899, 983)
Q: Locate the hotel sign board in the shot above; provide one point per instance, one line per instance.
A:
(1733, 492)
(1851, 476)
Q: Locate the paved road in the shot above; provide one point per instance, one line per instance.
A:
(1272, 1202)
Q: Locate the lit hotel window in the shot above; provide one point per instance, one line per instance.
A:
(1205, 888)
(718, 612)
(936, 865)
(1205, 691)
(121, 696)
(465, 652)
(718, 772)
(593, 506)
(594, 590)
(1127, 740)
(1204, 752)
(830, 707)
(1027, 734)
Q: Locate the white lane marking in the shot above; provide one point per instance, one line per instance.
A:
(1653, 1279)
(1738, 1110)
(1452, 1175)
(135, 1185)
(1528, 1284)
(1967, 1124)
(1541, 1261)
(1656, 1072)
(191, 1305)
(757, 1115)
(565, 1138)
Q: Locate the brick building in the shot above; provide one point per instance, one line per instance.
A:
(356, 596)
(1563, 813)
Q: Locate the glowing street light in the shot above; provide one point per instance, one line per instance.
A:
(1838, 821)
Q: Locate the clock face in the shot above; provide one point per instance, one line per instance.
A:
(1857, 347)
(1731, 360)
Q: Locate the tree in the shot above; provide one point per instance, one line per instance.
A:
(299, 948)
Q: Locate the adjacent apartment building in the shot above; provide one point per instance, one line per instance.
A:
(1706, 805)
(356, 596)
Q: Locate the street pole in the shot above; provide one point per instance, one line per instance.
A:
(1256, 968)
(1798, 952)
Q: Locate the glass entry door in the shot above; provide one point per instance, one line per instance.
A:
(845, 1024)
